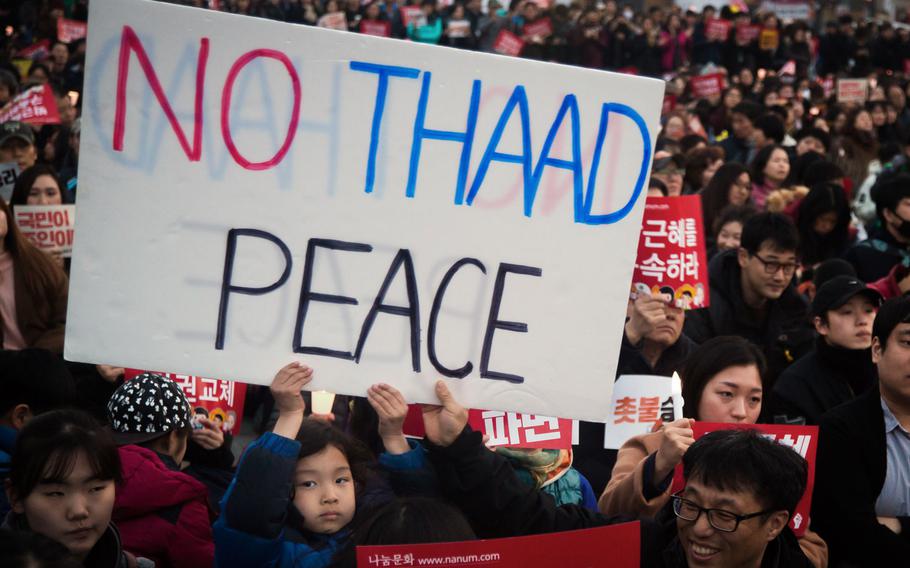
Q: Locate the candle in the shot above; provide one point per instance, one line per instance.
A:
(323, 401)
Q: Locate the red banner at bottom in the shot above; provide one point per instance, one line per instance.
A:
(571, 548)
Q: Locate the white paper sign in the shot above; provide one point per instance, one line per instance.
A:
(638, 402)
(48, 227)
(253, 192)
(9, 172)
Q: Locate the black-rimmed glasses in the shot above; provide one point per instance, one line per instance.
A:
(772, 266)
(724, 521)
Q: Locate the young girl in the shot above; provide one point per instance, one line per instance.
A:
(62, 483)
(298, 487)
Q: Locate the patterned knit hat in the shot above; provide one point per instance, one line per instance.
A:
(147, 407)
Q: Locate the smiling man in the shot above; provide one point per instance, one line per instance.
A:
(840, 367)
(861, 504)
(740, 492)
(752, 294)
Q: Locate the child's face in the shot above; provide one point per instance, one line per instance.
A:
(324, 491)
(74, 511)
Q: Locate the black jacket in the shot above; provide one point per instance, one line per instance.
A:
(850, 473)
(107, 552)
(826, 377)
(876, 256)
(784, 335)
(498, 505)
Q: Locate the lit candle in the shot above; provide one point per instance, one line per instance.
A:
(676, 392)
(322, 402)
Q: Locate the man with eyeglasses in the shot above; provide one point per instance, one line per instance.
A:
(861, 502)
(733, 512)
(753, 296)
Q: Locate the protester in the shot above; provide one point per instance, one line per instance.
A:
(770, 168)
(730, 185)
(839, 368)
(823, 222)
(653, 343)
(752, 294)
(63, 484)
(17, 144)
(861, 478)
(162, 512)
(889, 245)
(38, 185)
(728, 229)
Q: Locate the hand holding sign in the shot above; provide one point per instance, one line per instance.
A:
(392, 409)
(285, 389)
(647, 313)
(210, 436)
(678, 436)
(443, 424)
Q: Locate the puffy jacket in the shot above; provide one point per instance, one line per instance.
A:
(163, 513)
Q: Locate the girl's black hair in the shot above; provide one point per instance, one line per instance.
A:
(47, 448)
(730, 214)
(26, 180)
(316, 435)
(823, 198)
(715, 196)
(761, 160)
(709, 359)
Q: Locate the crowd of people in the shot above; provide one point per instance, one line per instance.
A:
(806, 209)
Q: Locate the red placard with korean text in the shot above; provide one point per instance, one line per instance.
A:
(222, 400)
(852, 90)
(671, 251)
(540, 28)
(803, 440)
(508, 43)
(412, 14)
(509, 429)
(586, 547)
(718, 29)
(34, 106)
(48, 227)
(71, 30)
(36, 51)
(710, 85)
(376, 28)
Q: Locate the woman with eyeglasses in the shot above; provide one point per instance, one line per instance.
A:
(722, 381)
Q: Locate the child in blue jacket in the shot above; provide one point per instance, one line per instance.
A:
(297, 488)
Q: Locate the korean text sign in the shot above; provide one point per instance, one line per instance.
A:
(803, 440)
(34, 106)
(49, 227)
(671, 251)
(639, 402)
(587, 547)
(509, 429)
(380, 209)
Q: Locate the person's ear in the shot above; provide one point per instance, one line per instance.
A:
(742, 256)
(876, 350)
(19, 415)
(820, 326)
(776, 523)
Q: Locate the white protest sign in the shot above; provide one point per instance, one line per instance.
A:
(852, 90)
(48, 227)
(639, 401)
(9, 173)
(253, 192)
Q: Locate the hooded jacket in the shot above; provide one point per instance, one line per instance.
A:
(785, 333)
(162, 513)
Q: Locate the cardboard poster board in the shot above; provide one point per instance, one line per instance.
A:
(671, 252)
(541, 28)
(9, 173)
(852, 90)
(395, 210)
(803, 440)
(48, 227)
(639, 403)
(705, 86)
(69, 31)
(508, 43)
(585, 547)
(718, 29)
(377, 28)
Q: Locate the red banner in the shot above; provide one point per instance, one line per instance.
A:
(540, 28)
(376, 28)
(671, 251)
(36, 51)
(588, 547)
(803, 440)
(34, 106)
(411, 14)
(216, 399)
(704, 86)
(508, 43)
(718, 29)
(70, 30)
(508, 429)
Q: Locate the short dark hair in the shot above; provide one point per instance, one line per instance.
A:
(749, 109)
(889, 190)
(48, 445)
(731, 213)
(822, 171)
(745, 461)
(774, 227)
(316, 435)
(771, 126)
(35, 377)
(891, 314)
(712, 357)
(414, 520)
(817, 133)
